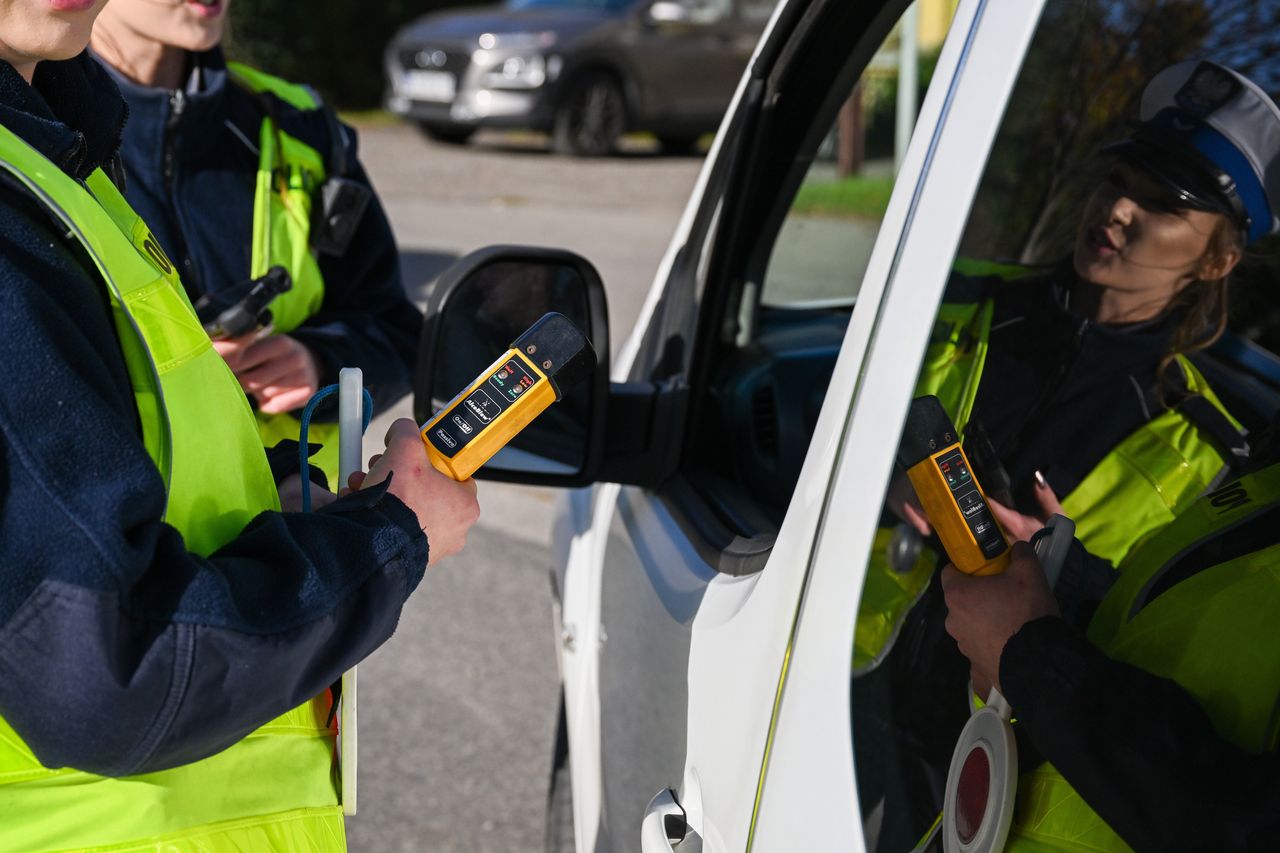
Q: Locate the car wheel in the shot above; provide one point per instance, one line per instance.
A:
(448, 135)
(684, 144)
(560, 838)
(590, 118)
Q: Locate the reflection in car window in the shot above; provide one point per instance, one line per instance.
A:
(1079, 89)
(825, 242)
(607, 5)
(769, 378)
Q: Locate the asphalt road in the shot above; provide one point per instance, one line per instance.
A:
(457, 711)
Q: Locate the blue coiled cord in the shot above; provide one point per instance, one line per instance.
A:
(319, 397)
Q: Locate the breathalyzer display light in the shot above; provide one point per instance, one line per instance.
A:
(550, 356)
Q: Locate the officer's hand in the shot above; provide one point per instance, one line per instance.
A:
(1022, 527)
(446, 509)
(279, 371)
(984, 612)
(902, 502)
(290, 489)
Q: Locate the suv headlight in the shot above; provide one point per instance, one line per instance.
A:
(511, 70)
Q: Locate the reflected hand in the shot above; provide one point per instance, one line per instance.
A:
(1021, 528)
(278, 370)
(902, 502)
(984, 612)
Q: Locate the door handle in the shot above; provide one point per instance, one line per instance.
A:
(664, 825)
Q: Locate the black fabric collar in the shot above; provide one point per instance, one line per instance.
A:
(204, 110)
(71, 112)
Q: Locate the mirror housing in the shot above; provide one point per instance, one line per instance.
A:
(482, 303)
(627, 433)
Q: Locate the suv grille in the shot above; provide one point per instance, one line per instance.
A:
(434, 58)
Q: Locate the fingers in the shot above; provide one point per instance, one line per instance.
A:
(1011, 521)
(264, 350)
(355, 481)
(914, 515)
(232, 349)
(1048, 500)
(278, 399)
(400, 430)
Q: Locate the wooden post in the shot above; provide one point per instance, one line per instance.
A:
(851, 132)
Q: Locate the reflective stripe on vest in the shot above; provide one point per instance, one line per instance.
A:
(1142, 484)
(275, 785)
(1212, 633)
(290, 173)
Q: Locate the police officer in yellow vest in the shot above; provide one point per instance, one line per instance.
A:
(1154, 726)
(237, 171)
(167, 634)
(1153, 711)
(1076, 381)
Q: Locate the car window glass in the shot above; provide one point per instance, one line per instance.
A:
(706, 11)
(1078, 90)
(755, 11)
(769, 379)
(825, 242)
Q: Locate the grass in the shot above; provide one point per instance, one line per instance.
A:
(845, 198)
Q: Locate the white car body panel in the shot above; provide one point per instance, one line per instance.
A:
(809, 799)
(579, 556)
(744, 627)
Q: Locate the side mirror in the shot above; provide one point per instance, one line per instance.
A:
(478, 307)
(667, 12)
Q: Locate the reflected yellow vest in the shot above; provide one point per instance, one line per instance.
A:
(289, 174)
(273, 790)
(1213, 633)
(1144, 483)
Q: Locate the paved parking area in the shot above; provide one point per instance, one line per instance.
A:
(457, 710)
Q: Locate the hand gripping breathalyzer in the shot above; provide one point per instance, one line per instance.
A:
(982, 782)
(550, 356)
(954, 502)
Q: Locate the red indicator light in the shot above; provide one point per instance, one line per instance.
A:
(972, 794)
(946, 466)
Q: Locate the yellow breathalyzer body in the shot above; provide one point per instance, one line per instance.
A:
(505, 398)
(948, 489)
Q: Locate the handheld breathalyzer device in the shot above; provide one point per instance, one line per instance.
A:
(551, 355)
(954, 502)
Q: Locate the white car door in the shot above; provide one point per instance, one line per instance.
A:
(680, 601)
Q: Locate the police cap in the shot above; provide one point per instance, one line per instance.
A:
(1214, 136)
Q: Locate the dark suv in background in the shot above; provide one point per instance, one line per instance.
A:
(585, 71)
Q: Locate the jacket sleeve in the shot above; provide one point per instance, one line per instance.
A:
(1138, 748)
(120, 651)
(365, 320)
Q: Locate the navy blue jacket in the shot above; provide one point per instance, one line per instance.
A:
(120, 651)
(191, 162)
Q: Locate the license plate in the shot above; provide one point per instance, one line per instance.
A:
(428, 85)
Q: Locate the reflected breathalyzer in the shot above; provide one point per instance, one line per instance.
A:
(944, 481)
(550, 356)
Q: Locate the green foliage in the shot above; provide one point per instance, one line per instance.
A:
(334, 45)
(847, 198)
(880, 104)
